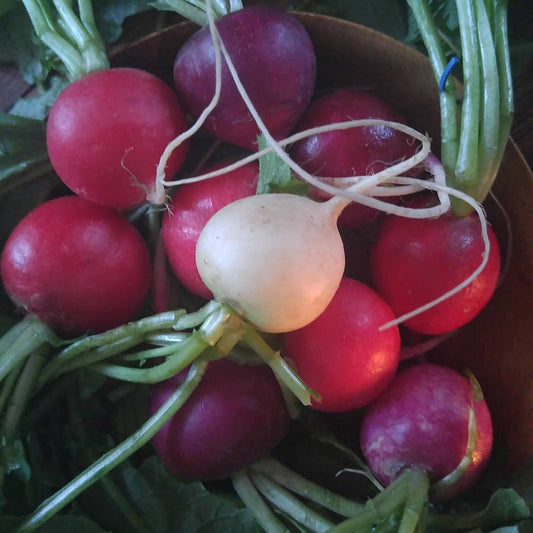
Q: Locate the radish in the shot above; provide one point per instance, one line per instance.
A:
(78, 266)
(275, 59)
(414, 262)
(276, 258)
(191, 207)
(106, 132)
(342, 354)
(431, 418)
(235, 416)
(350, 152)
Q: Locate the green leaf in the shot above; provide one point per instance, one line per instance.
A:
(170, 505)
(505, 506)
(7, 5)
(275, 175)
(110, 15)
(13, 460)
(18, 46)
(447, 21)
(23, 153)
(57, 524)
(37, 107)
(19, 133)
(387, 16)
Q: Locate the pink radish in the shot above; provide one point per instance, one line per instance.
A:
(431, 418)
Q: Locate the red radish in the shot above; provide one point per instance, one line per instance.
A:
(342, 354)
(235, 416)
(351, 152)
(275, 61)
(192, 205)
(78, 266)
(417, 261)
(107, 131)
(357, 251)
(422, 421)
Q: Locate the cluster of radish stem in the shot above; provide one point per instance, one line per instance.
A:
(365, 190)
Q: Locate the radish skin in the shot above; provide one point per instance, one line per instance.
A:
(277, 259)
(189, 210)
(423, 420)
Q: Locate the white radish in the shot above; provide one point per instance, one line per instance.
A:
(277, 259)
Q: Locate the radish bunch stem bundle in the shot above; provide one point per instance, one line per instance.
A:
(473, 144)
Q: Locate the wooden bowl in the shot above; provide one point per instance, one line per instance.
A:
(496, 346)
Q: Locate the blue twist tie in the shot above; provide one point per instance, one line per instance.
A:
(447, 71)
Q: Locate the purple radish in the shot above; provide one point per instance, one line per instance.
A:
(235, 416)
(275, 61)
(433, 418)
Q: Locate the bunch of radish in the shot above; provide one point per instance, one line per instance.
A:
(274, 266)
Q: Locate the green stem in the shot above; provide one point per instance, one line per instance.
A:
(490, 103)
(447, 98)
(379, 508)
(21, 340)
(21, 394)
(279, 366)
(87, 40)
(415, 504)
(8, 385)
(221, 328)
(195, 10)
(283, 500)
(117, 455)
(53, 371)
(504, 68)
(487, 106)
(154, 353)
(213, 318)
(46, 32)
(165, 338)
(35, 165)
(189, 11)
(85, 9)
(305, 488)
(79, 47)
(255, 503)
(506, 99)
(135, 521)
(133, 332)
(466, 171)
(185, 354)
